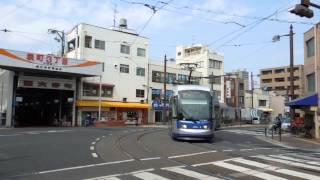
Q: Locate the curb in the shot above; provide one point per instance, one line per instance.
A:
(281, 144)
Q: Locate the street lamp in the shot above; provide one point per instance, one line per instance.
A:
(303, 10)
(277, 38)
(61, 38)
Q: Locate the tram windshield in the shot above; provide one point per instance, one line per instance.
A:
(195, 105)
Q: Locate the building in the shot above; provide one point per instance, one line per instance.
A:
(242, 74)
(41, 90)
(234, 90)
(175, 75)
(125, 57)
(209, 63)
(277, 79)
(266, 101)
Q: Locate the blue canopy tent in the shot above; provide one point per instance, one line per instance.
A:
(310, 100)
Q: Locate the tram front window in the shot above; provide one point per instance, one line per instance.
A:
(195, 105)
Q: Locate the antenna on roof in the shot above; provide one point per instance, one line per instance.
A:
(114, 14)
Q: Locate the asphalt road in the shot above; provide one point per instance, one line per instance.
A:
(147, 153)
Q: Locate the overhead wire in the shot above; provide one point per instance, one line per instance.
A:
(14, 10)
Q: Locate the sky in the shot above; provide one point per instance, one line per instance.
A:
(233, 28)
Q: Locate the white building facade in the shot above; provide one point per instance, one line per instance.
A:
(123, 82)
(209, 63)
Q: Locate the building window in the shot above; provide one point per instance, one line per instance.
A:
(88, 41)
(279, 79)
(278, 71)
(124, 68)
(311, 82)
(171, 77)
(90, 89)
(71, 45)
(310, 47)
(266, 72)
(215, 64)
(262, 102)
(183, 79)
(139, 93)
(217, 94)
(179, 53)
(140, 71)
(98, 44)
(266, 80)
(157, 76)
(125, 49)
(141, 52)
(280, 88)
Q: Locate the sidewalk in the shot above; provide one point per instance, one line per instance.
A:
(294, 142)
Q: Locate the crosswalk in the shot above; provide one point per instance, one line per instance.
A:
(268, 167)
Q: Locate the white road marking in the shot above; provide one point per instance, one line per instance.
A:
(110, 134)
(147, 159)
(190, 173)
(148, 176)
(103, 136)
(98, 139)
(296, 159)
(246, 149)
(261, 148)
(227, 150)
(305, 157)
(52, 131)
(290, 163)
(95, 155)
(93, 143)
(114, 176)
(5, 135)
(192, 154)
(277, 169)
(85, 166)
(92, 148)
(247, 171)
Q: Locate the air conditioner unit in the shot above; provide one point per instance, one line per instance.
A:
(141, 101)
(124, 99)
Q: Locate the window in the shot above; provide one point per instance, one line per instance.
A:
(183, 78)
(88, 41)
(279, 88)
(310, 47)
(141, 52)
(179, 53)
(241, 86)
(278, 71)
(266, 80)
(170, 78)
(125, 49)
(71, 45)
(98, 44)
(215, 64)
(262, 102)
(140, 71)
(217, 94)
(124, 68)
(91, 89)
(279, 79)
(139, 93)
(311, 83)
(157, 76)
(266, 72)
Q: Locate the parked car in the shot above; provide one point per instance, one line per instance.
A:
(255, 120)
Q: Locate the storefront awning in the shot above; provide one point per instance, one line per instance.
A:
(112, 104)
(311, 100)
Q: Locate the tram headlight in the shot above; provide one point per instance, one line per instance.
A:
(183, 126)
(205, 127)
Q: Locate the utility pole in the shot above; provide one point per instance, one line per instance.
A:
(252, 89)
(291, 70)
(61, 38)
(165, 89)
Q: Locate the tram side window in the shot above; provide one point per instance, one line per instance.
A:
(174, 106)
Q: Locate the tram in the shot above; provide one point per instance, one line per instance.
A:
(191, 113)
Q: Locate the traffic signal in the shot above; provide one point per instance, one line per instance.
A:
(302, 11)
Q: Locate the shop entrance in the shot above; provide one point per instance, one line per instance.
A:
(158, 116)
(43, 107)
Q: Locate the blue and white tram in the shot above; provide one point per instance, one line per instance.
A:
(191, 113)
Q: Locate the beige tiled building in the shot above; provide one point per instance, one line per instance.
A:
(277, 79)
